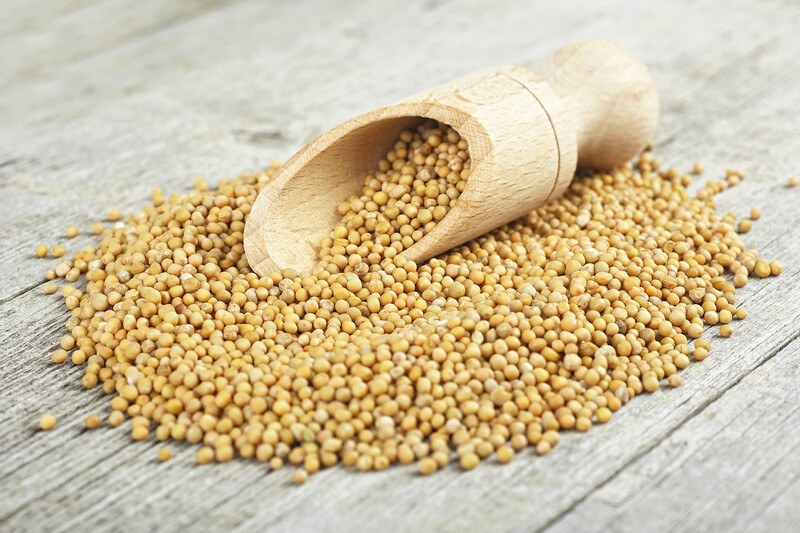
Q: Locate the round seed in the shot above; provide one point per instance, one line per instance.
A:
(92, 421)
(47, 422)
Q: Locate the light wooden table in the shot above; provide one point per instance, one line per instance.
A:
(102, 100)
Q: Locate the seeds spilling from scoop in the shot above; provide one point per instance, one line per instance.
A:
(415, 186)
(552, 322)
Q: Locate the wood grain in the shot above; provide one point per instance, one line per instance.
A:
(225, 92)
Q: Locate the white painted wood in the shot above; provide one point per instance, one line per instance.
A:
(38, 37)
(229, 90)
(720, 470)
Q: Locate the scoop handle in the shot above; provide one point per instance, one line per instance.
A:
(611, 97)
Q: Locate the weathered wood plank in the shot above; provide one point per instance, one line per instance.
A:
(720, 470)
(21, 16)
(727, 101)
(42, 42)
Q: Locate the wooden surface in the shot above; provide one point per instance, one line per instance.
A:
(597, 105)
(103, 100)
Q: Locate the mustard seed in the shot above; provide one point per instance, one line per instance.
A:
(58, 251)
(204, 455)
(72, 232)
(47, 422)
(50, 288)
(793, 182)
(762, 269)
(550, 323)
(165, 454)
(92, 421)
(726, 330)
(603, 415)
(744, 226)
(427, 466)
(755, 213)
(469, 461)
(41, 250)
(505, 454)
(59, 356)
(114, 215)
(299, 477)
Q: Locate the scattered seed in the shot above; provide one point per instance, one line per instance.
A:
(755, 213)
(72, 232)
(93, 421)
(793, 181)
(762, 269)
(549, 323)
(58, 251)
(205, 455)
(744, 225)
(114, 215)
(47, 422)
(299, 477)
(427, 466)
(165, 454)
(726, 330)
(50, 288)
(41, 250)
(59, 356)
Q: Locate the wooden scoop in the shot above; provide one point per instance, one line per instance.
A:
(596, 106)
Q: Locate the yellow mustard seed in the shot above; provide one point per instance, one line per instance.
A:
(47, 422)
(114, 214)
(793, 182)
(58, 251)
(603, 415)
(427, 466)
(469, 460)
(59, 356)
(744, 226)
(97, 227)
(92, 421)
(674, 380)
(762, 269)
(204, 455)
(550, 323)
(700, 354)
(41, 250)
(697, 169)
(72, 232)
(505, 454)
(165, 454)
(775, 267)
(755, 213)
(50, 288)
(116, 418)
(725, 330)
(299, 476)
(139, 432)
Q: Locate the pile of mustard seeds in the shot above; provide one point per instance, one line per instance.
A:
(414, 188)
(550, 323)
